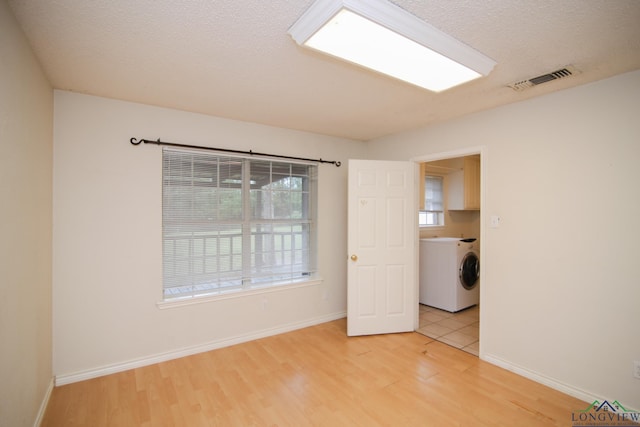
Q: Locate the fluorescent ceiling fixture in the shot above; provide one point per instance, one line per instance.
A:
(381, 36)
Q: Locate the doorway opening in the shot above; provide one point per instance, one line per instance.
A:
(459, 215)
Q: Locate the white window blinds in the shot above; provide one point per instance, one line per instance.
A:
(433, 213)
(433, 194)
(234, 223)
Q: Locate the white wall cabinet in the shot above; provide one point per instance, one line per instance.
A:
(464, 186)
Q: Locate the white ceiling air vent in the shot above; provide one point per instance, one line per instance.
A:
(567, 71)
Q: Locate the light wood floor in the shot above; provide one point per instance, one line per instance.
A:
(315, 377)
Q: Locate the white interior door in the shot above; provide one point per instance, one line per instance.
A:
(383, 247)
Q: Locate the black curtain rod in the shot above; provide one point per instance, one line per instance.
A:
(226, 150)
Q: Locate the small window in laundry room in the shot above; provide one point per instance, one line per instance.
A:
(433, 213)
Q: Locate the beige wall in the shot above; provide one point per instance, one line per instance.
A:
(26, 117)
(457, 224)
(559, 285)
(107, 238)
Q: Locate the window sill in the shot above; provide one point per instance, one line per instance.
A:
(181, 302)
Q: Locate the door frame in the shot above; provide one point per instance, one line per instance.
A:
(482, 150)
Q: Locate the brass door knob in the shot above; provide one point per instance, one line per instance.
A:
(354, 257)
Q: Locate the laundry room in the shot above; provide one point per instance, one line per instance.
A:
(449, 219)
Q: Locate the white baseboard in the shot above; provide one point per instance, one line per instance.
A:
(188, 351)
(542, 379)
(43, 405)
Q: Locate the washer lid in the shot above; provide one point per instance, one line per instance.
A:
(441, 239)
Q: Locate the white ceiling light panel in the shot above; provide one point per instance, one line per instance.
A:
(381, 36)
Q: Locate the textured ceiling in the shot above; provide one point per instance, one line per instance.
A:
(234, 59)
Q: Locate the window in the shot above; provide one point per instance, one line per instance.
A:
(233, 223)
(433, 213)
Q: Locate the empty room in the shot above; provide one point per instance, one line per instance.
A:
(222, 213)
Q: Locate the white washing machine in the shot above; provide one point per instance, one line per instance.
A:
(449, 273)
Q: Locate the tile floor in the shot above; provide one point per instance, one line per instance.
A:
(460, 330)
